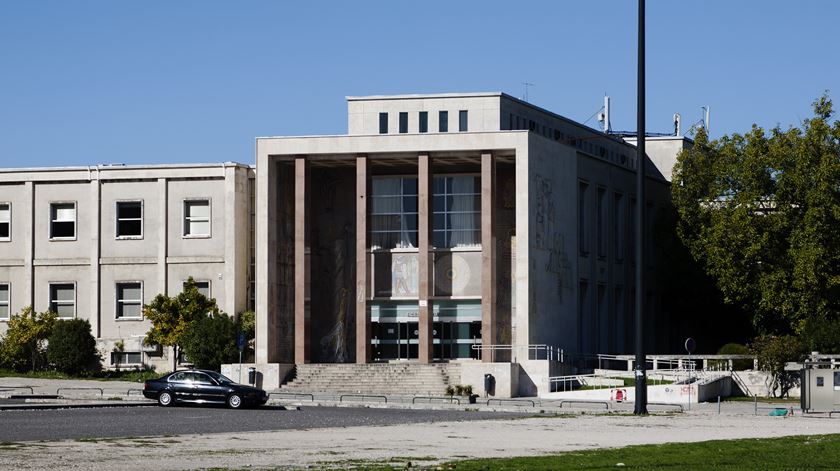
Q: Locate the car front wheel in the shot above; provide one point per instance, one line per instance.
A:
(165, 399)
(234, 401)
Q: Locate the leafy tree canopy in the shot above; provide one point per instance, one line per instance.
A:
(761, 213)
(72, 348)
(211, 341)
(24, 343)
(171, 317)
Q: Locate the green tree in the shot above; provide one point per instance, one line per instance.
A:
(24, 343)
(172, 316)
(761, 213)
(210, 341)
(72, 348)
(773, 353)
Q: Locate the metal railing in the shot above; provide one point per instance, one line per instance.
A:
(654, 362)
(101, 391)
(516, 402)
(31, 391)
(363, 396)
(530, 352)
(583, 401)
(450, 399)
(293, 394)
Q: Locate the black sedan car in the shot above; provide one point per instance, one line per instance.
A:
(200, 386)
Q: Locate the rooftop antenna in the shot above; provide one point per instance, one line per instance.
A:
(527, 84)
(604, 116)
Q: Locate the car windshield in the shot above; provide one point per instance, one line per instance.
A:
(222, 379)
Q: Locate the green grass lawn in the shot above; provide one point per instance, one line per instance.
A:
(799, 453)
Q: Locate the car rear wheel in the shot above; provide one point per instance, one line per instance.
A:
(234, 401)
(165, 399)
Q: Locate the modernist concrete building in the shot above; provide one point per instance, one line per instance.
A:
(99, 242)
(449, 227)
(475, 228)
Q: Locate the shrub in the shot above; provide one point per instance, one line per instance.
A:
(737, 349)
(210, 341)
(450, 391)
(22, 347)
(72, 348)
(459, 390)
(468, 390)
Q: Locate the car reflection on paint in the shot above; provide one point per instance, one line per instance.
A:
(202, 387)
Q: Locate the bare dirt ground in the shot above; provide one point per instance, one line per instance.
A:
(423, 444)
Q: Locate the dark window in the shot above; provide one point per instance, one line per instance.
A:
(63, 300)
(383, 123)
(457, 211)
(618, 225)
(510, 121)
(531, 125)
(583, 233)
(424, 121)
(601, 222)
(129, 219)
(403, 122)
(462, 121)
(443, 121)
(5, 221)
(129, 300)
(4, 301)
(62, 220)
(131, 358)
(393, 213)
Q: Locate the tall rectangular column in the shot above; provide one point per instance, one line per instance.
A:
(302, 217)
(424, 242)
(267, 333)
(363, 331)
(488, 256)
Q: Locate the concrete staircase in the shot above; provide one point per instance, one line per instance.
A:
(375, 378)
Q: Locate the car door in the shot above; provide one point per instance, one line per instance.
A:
(180, 385)
(207, 388)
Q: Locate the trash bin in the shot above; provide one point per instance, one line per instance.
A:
(252, 375)
(489, 385)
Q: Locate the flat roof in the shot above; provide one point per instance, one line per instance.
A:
(117, 167)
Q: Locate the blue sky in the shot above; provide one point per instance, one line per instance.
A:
(84, 82)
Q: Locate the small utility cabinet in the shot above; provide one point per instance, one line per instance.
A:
(820, 386)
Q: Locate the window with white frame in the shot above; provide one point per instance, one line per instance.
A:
(393, 213)
(457, 211)
(62, 220)
(126, 358)
(129, 300)
(63, 300)
(129, 219)
(197, 218)
(5, 221)
(203, 287)
(5, 293)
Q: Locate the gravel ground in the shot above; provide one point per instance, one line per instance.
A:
(421, 443)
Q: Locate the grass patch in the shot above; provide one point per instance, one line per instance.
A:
(800, 452)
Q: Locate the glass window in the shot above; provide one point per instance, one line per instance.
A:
(583, 233)
(134, 358)
(383, 123)
(601, 222)
(129, 219)
(618, 225)
(393, 213)
(203, 287)
(424, 121)
(443, 121)
(5, 221)
(5, 292)
(457, 211)
(403, 122)
(178, 378)
(197, 218)
(462, 121)
(62, 220)
(63, 300)
(129, 300)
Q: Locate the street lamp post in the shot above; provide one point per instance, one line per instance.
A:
(641, 380)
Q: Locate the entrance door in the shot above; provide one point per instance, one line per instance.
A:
(395, 340)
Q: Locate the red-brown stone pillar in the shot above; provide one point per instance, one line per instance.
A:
(363, 334)
(425, 352)
(488, 256)
(302, 218)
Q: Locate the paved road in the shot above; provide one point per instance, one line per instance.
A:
(144, 421)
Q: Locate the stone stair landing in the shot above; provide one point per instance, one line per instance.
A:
(375, 378)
